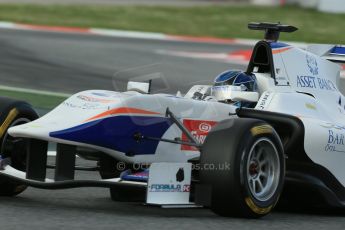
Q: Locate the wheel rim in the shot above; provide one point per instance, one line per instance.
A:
(263, 169)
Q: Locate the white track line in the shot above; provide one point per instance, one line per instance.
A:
(41, 92)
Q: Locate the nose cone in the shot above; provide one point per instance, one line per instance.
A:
(74, 111)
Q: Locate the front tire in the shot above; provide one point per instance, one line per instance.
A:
(250, 187)
(12, 113)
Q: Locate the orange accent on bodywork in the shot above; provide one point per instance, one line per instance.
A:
(281, 50)
(122, 110)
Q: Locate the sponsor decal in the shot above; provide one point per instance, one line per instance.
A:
(335, 141)
(180, 175)
(312, 64)
(108, 94)
(169, 188)
(264, 100)
(306, 82)
(94, 99)
(186, 188)
(85, 105)
(262, 129)
(199, 129)
(257, 209)
(315, 83)
(205, 127)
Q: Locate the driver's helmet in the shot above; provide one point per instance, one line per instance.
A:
(229, 81)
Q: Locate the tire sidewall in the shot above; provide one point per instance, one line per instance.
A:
(231, 141)
(21, 111)
(249, 138)
(8, 116)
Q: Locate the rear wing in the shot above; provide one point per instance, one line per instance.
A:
(334, 53)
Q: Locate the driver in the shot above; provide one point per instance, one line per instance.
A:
(229, 82)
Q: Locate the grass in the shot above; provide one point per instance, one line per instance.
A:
(39, 101)
(218, 21)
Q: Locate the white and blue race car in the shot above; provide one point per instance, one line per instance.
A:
(200, 149)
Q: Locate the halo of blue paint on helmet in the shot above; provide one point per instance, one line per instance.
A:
(226, 76)
(248, 80)
(236, 78)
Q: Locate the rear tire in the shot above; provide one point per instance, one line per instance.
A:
(251, 184)
(12, 113)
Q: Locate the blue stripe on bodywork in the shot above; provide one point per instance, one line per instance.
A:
(117, 133)
(139, 176)
(338, 50)
(276, 45)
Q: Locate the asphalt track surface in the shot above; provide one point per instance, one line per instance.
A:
(69, 63)
(91, 208)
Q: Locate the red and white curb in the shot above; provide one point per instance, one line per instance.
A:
(241, 57)
(126, 34)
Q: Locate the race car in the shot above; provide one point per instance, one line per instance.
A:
(233, 147)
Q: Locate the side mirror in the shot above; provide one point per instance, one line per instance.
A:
(244, 96)
(141, 87)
